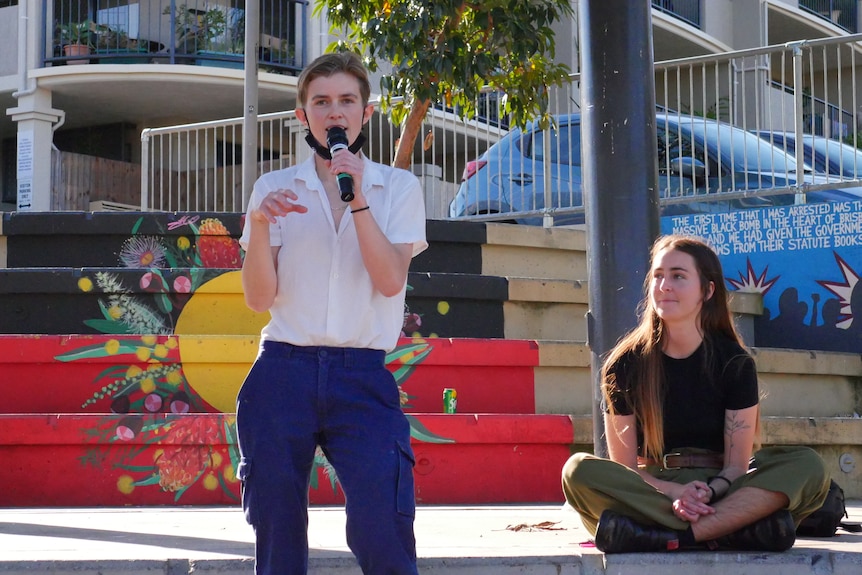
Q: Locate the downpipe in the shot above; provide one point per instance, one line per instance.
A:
(23, 19)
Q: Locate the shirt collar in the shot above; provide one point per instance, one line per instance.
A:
(372, 173)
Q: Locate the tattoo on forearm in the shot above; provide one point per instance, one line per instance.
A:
(733, 425)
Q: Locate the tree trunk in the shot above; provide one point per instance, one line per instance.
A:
(409, 132)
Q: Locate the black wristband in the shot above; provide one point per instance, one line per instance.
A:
(722, 477)
(360, 209)
(714, 496)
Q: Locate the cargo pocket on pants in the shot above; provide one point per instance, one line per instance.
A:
(243, 472)
(406, 499)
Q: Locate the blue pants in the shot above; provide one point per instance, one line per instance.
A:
(346, 401)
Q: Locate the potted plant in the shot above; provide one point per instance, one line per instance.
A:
(77, 40)
(197, 29)
(116, 44)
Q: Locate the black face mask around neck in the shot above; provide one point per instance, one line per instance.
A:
(323, 151)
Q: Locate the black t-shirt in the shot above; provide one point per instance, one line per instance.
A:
(697, 391)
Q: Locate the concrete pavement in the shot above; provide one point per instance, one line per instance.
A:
(480, 540)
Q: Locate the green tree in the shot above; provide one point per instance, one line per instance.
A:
(448, 51)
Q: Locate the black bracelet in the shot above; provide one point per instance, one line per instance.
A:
(722, 477)
(714, 496)
(360, 209)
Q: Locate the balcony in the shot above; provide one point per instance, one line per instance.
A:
(686, 10)
(842, 13)
(199, 32)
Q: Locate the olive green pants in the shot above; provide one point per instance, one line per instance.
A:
(592, 484)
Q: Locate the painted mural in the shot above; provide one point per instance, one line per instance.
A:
(805, 259)
(145, 374)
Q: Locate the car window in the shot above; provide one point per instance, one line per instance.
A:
(847, 157)
(743, 150)
(565, 144)
(674, 144)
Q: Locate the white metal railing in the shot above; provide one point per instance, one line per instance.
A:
(196, 166)
(711, 105)
(709, 159)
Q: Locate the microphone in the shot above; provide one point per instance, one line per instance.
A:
(336, 139)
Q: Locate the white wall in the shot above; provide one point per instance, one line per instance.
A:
(9, 40)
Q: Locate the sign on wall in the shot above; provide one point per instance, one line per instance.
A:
(25, 171)
(806, 261)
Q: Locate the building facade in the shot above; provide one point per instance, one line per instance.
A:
(85, 77)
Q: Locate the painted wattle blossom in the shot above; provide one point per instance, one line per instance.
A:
(216, 248)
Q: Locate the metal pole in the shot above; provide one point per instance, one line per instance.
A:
(620, 171)
(799, 107)
(145, 170)
(548, 218)
(249, 121)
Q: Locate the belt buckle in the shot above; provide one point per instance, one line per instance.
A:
(664, 460)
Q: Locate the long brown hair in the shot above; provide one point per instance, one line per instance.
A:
(644, 342)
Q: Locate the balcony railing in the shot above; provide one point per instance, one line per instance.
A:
(686, 10)
(199, 32)
(842, 13)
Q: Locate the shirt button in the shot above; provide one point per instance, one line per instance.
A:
(335, 276)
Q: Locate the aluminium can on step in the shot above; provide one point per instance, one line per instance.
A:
(450, 400)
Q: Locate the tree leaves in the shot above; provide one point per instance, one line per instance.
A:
(451, 50)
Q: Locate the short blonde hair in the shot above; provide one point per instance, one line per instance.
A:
(333, 63)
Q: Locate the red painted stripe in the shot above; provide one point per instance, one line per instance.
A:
(77, 428)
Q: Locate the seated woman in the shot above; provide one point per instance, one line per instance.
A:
(682, 421)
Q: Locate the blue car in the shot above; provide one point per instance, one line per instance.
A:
(823, 154)
(696, 157)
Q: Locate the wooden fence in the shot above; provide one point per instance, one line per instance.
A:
(77, 180)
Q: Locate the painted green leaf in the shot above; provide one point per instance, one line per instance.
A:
(164, 303)
(97, 350)
(421, 433)
(151, 480)
(109, 327)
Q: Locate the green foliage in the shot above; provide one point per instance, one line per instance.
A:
(197, 29)
(720, 110)
(78, 33)
(854, 140)
(447, 51)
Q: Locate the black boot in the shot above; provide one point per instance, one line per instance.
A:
(620, 534)
(775, 532)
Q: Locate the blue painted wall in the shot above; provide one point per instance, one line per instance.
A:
(805, 259)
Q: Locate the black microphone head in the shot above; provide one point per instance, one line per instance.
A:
(336, 139)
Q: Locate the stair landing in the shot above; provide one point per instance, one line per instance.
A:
(451, 540)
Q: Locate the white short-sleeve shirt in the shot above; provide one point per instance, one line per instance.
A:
(325, 295)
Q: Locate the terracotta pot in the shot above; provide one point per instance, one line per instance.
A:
(76, 50)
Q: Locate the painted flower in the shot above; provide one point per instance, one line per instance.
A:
(152, 282)
(182, 284)
(215, 246)
(179, 466)
(412, 323)
(186, 453)
(142, 252)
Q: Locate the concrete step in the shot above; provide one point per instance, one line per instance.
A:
(190, 459)
(450, 540)
(199, 300)
(64, 372)
(160, 459)
(99, 239)
(62, 300)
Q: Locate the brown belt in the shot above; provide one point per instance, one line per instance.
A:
(679, 460)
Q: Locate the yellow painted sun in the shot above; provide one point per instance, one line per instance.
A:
(218, 340)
